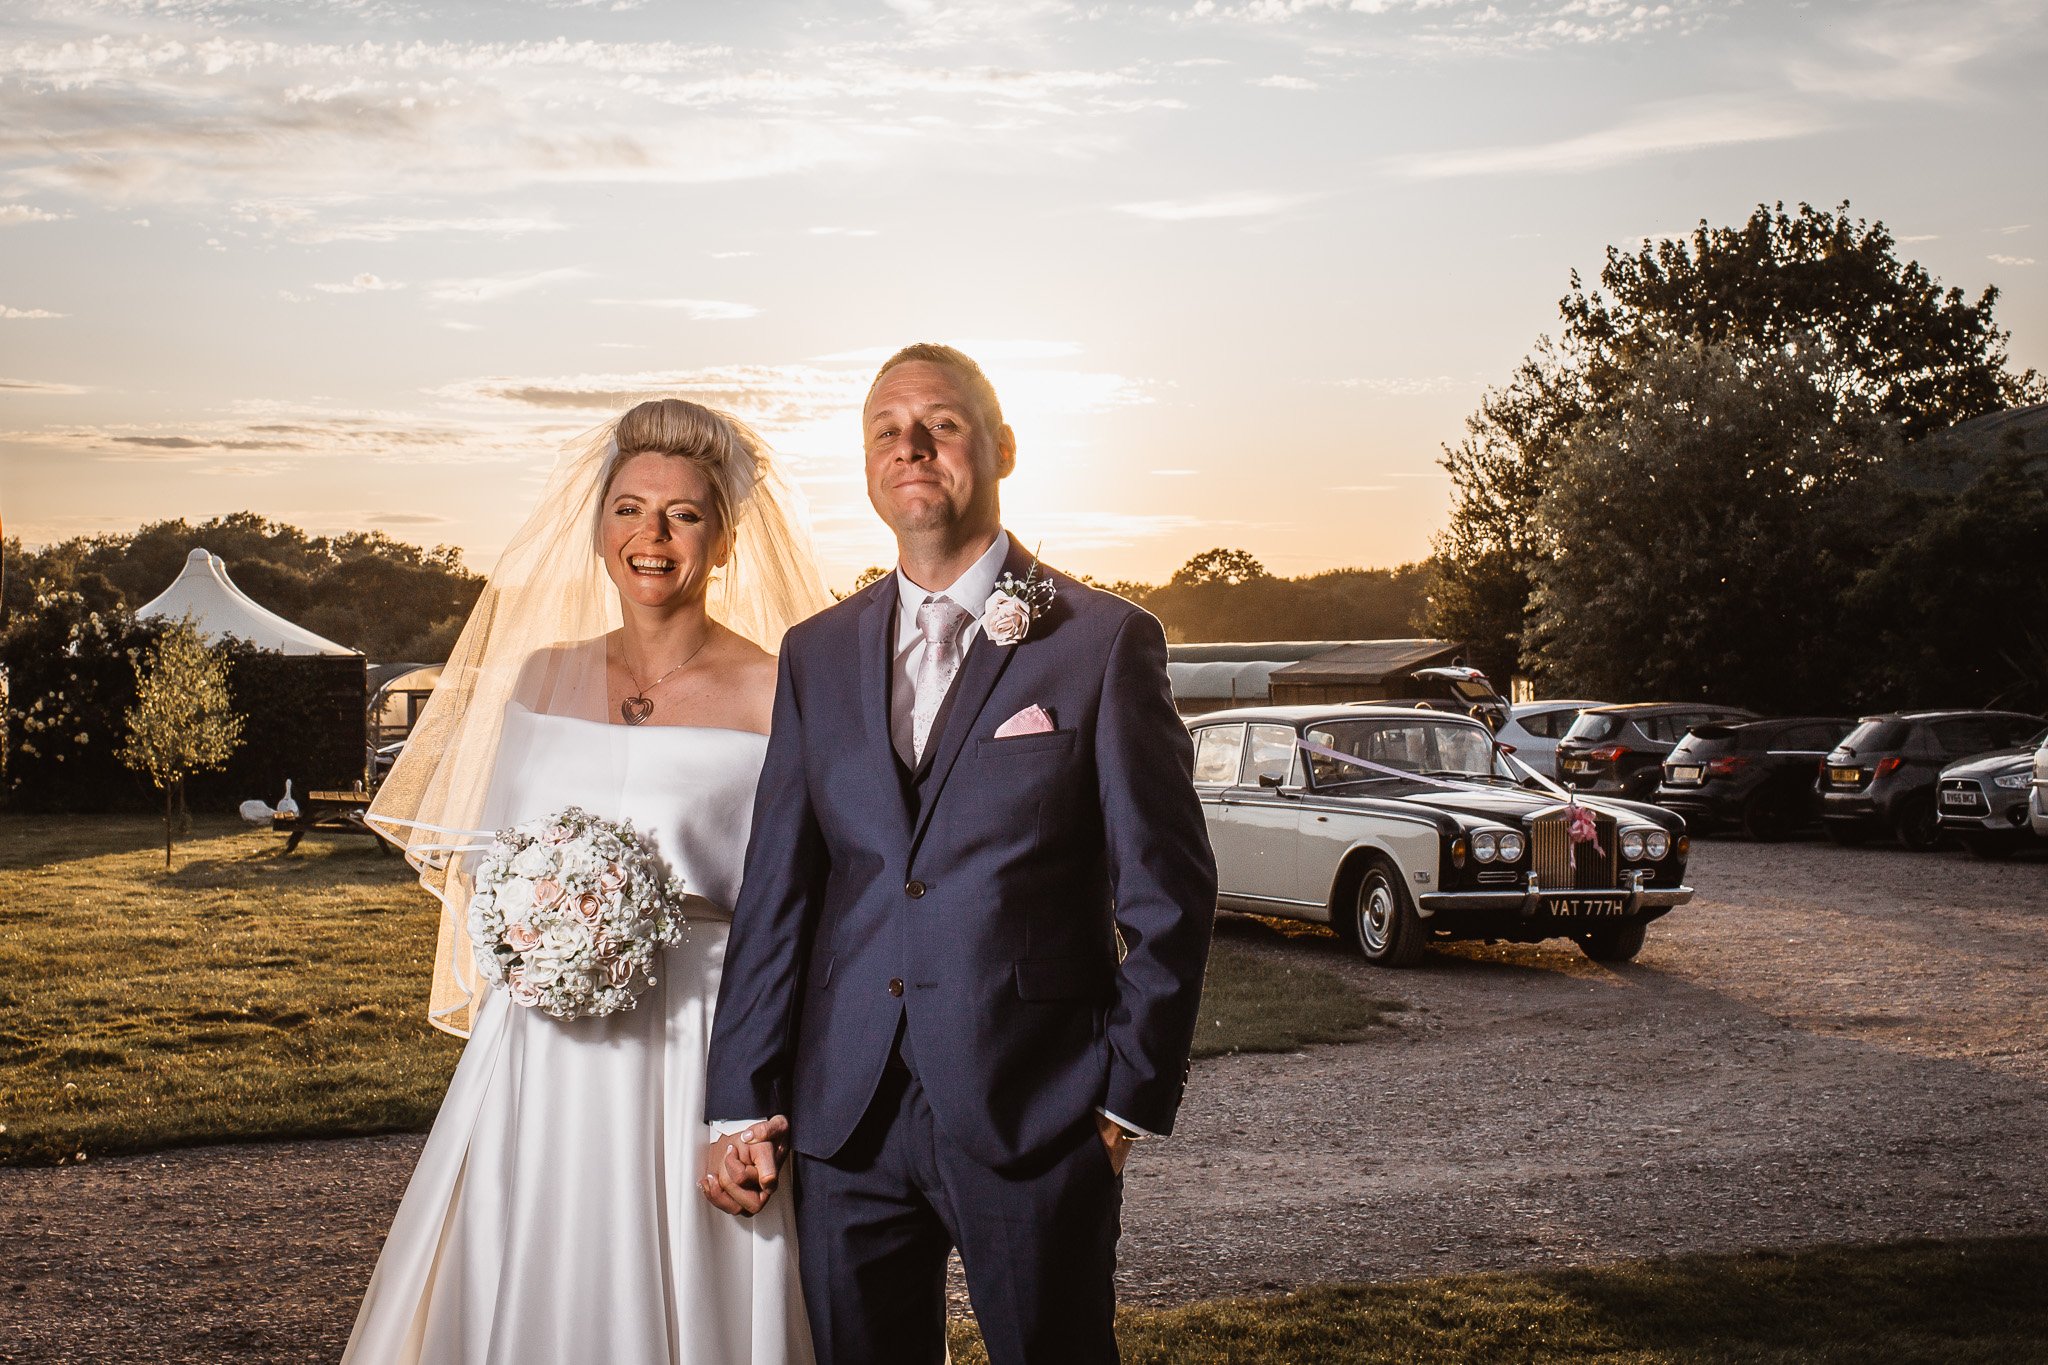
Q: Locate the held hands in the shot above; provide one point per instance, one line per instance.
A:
(741, 1172)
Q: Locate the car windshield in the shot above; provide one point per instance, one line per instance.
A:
(1876, 736)
(1596, 725)
(1426, 748)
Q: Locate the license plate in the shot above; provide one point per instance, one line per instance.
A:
(1576, 765)
(1845, 777)
(1683, 773)
(1959, 798)
(1574, 907)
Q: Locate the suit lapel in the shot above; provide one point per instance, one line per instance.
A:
(877, 662)
(980, 671)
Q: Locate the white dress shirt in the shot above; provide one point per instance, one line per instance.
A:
(970, 592)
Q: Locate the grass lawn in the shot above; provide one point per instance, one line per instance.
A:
(1956, 1303)
(249, 995)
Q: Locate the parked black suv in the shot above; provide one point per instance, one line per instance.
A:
(1757, 775)
(1617, 750)
(1881, 778)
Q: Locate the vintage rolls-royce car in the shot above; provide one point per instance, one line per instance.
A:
(1398, 827)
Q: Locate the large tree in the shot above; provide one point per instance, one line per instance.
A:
(1706, 523)
(1899, 350)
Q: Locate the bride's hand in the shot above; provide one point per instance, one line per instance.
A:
(741, 1172)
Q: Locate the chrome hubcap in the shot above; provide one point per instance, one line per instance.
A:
(1376, 916)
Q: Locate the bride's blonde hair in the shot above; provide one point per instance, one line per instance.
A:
(726, 449)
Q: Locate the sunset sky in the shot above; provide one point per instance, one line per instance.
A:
(1238, 269)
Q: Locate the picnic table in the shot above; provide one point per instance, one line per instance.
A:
(328, 812)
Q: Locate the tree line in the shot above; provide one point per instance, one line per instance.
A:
(1732, 476)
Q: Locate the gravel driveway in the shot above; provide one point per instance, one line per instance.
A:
(1827, 1045)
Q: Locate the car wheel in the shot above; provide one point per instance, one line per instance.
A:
(1767, 816)
(1382, 922)
(1916, 825)
(1846, 834)
(1614, 942)
(1991, 847)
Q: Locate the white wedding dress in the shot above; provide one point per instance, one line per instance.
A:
(554, 1218)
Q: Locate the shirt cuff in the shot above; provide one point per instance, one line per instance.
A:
(1126, 1124)
(726, 1128)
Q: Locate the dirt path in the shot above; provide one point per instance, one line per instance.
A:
(1828, 1045)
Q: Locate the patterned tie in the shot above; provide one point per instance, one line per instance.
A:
(940, 620)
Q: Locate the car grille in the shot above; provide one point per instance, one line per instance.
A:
(1960, 796)
(1561, 866)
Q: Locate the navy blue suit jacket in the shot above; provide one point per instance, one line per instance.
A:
(978, 901)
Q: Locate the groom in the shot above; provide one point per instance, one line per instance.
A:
(966, 960)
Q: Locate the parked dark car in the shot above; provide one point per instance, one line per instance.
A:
(1755, 775)
(1982, 801)
(1619, 750)
(1880, 780)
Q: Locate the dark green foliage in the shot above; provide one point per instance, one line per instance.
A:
(1898, 353)
(1706, 531)
(1956, 606)
(362, 589)
(1203, 603)
(71, 681)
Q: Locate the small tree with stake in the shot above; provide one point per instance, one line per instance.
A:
(182, 721)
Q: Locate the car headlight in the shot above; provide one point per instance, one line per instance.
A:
(1632, 845)
(1656, 844)
(2014, 781)
(1484, 847)
(1511, 847)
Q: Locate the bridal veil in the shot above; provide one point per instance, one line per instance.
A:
(550, 590)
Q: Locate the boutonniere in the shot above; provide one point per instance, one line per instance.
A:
(1015, 606)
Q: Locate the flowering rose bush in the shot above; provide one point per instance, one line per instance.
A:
(569, 911)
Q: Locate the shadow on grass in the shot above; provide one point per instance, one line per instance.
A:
(1955, 1303)
(1273, 1002)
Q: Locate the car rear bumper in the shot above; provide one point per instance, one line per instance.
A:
(1855, 806)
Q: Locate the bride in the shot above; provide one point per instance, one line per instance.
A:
(619, 660)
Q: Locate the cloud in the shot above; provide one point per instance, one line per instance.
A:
(308, 221)
(39, 387)
(19, 313)
(299, 433)
(1436, 26)
(193, 443)
(767, 395)
(697, 310)
(1401, 386)
(14, 215)
(1656, 131)
(842, 232)
(727, 255)
(1904, 53)
(2011, 260)
(1287, 83)
(1237, 205)
(365, 283)
(488, 288)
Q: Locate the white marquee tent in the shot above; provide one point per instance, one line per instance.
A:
(217, 608)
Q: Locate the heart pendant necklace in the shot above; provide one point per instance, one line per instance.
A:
(638, 706)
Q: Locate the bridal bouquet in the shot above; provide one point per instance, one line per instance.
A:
(568, 912)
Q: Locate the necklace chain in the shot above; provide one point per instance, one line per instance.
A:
(636, 708)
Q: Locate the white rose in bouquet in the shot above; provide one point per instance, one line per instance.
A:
(569, 912)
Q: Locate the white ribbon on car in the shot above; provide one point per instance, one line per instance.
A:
(1309, 746)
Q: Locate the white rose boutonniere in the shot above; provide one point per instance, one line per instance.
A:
(1015, 606)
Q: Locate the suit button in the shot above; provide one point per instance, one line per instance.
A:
(896, 986)
(914, 890)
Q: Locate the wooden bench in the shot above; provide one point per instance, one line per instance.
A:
(328, 812)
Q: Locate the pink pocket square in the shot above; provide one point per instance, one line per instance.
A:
(1032, 720)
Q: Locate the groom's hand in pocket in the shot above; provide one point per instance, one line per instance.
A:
(742, 1171)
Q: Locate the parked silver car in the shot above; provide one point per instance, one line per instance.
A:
(1983, 800)
(1401, 827)
(1535, 727)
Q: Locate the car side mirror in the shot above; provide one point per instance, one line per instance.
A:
(1270, 780)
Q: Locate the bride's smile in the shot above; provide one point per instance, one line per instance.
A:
(662, 534)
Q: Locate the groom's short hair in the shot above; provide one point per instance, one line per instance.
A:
(979, 391)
